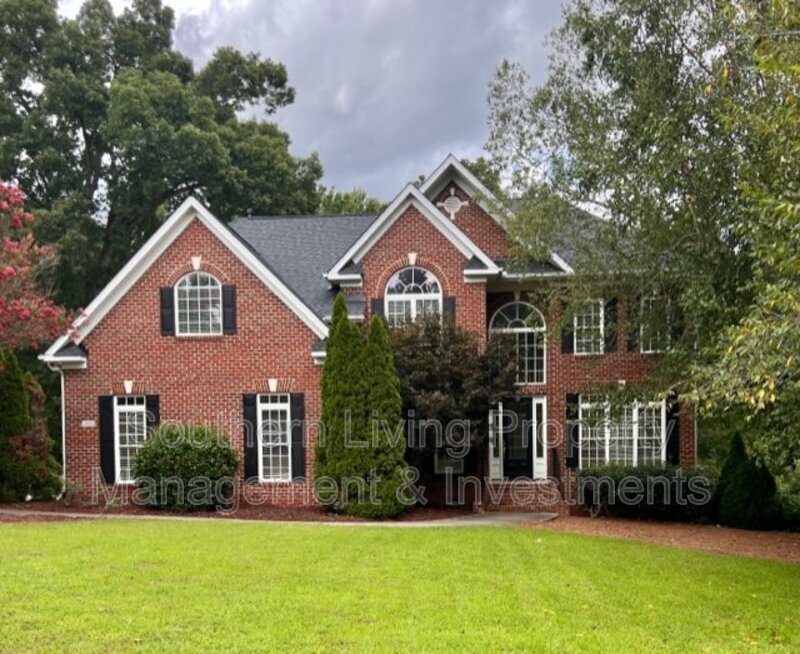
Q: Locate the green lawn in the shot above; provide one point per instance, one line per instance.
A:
(147, 585)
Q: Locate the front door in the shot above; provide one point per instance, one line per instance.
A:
(517, 443)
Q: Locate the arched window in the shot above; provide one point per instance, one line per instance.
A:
(410, 293)
(198, 298)
(526, 325)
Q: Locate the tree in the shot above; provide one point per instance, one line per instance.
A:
(27, 315)
(675, 122)
(343, 407)
(386, 428)
(746, 495)
(355, 202)
(447, 377)
(487, 172)
(109, 128)
(26, 467)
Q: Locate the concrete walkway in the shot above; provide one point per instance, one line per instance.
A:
(491, 519)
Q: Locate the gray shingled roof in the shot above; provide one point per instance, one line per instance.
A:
(301, 248)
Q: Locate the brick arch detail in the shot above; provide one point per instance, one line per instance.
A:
(421, 262)
(205, 266)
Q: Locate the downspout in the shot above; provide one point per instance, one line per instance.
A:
(63, 432)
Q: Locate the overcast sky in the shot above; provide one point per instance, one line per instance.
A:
(384, 88)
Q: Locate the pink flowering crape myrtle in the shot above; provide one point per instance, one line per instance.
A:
(28, 317)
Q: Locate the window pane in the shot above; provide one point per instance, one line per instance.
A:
(131, 432)
(199, 299)
(589, 328)
(275, 437)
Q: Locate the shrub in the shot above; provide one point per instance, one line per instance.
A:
(186, 468)
(662, 492)
(26, 466)
(359, 381)
(747, 495)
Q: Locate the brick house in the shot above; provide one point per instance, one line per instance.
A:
(226, 324)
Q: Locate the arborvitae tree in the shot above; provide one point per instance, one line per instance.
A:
(746, 495)
(26, 466)
(14, 411)
(343, 406)
(386, 432)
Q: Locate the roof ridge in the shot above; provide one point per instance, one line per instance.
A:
(300, 216)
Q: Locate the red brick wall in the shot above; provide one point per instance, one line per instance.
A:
(197, 379)
(412, 232)
(481, 228)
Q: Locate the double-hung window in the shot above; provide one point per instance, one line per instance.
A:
(275, 437)
(130, 432)
(635, 434)
(588, 327)
(655, 324)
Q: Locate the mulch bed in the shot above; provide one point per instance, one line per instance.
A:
(243, 512)
(775, 545)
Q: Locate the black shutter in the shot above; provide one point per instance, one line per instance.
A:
(572, 430)
(106, 422)
(297, 405)
(673, 431)
(167, 312)
(376, 306)
(250, 421)
(567, 335)
(449, 307)
(676, 325)
(228, 309)
(634, 322)
(610, 325)
(153, 407)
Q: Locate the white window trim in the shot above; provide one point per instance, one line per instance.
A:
(260, 405)
(178, 331)
(411, 299)
(649, 298)
(127, 409)
(525, 330)
(602, 350)
(637, 405)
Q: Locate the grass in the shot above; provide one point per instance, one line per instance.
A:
(189, 586)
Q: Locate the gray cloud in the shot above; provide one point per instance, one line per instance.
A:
(385, 88)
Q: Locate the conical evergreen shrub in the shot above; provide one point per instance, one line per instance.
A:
(746, 495)
(343, 410)
(360, 388)
(385, 428)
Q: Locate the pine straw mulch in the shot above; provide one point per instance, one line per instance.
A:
(243, 512)
(775, 545)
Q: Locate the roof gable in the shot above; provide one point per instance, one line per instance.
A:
(191, 209)
(409, 196)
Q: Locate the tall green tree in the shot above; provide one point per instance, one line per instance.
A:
(340, 454)
(354, 202)
(387, 432)
(675, 123)
(26, 466)
(108, 128)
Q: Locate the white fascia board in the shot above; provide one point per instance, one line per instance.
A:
(487, 201)
(181, 218)
(411, 196)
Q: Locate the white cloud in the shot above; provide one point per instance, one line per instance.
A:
(384, 88)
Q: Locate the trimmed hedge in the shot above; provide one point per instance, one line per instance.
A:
(186, 468)
(662, 492)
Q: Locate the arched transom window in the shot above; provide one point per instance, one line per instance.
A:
(410, 293)
(198, 298)
(525, 324)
